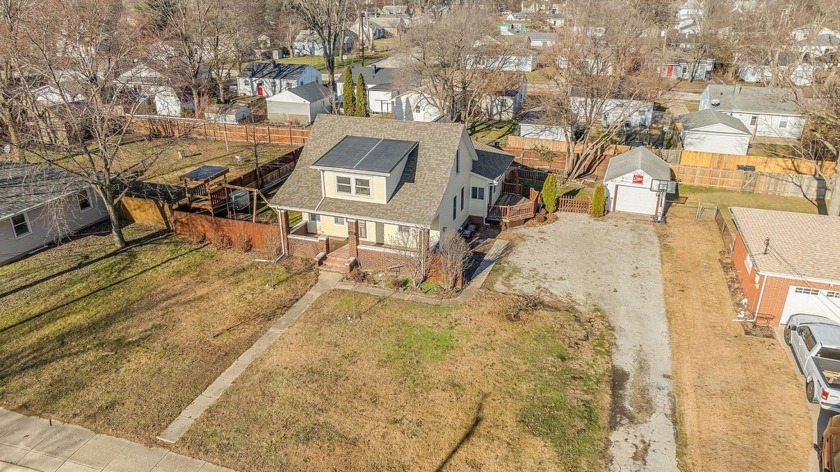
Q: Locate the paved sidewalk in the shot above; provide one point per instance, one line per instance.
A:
(326, 282)
(29, 443)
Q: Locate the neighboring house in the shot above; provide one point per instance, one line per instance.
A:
(264, 79)
(534, 125)
(40, 205)
(689, 17)
(308, 43)
(712, 131)
(415, 106)
(680, 68)
(541, 40)
(393, 25)
(512, 27)
(227, 113)
(771, 112)
(614, 110)
(300, 105)
(395, 10)
(371, 191)
(796, 69)
(380, 83)
(630, 178)
(787, 263)
(367, 28)
(150, 85)
(490, 53)
(591, 65)
(504, 97)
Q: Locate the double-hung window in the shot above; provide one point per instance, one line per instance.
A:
(363, 187)
(343, 185)
(478, 193)
(20, 223)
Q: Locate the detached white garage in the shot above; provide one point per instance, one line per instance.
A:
(299, 105)
(712, 131)
(629, 178)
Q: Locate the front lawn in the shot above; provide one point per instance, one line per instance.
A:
(121, 341)
(363, 383)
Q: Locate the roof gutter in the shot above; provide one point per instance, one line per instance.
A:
(351, 217)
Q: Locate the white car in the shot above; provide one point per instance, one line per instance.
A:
(815, 341)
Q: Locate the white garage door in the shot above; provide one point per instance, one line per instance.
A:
(635, 200)
(813, 302)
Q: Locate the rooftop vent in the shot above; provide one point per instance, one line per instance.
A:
(715, 102)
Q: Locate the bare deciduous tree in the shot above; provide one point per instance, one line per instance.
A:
(327, 18)
(407, 244)
(453, 255)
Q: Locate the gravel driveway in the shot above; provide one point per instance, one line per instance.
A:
(613, 264)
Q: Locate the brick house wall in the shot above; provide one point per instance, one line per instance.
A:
(771, 304)
(306, 248)
(376, 259)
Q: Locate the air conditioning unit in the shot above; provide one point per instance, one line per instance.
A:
(240, 199)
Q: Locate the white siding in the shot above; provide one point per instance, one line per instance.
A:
(720, 143)
(44, 231)
(638, 197)
(453, 190)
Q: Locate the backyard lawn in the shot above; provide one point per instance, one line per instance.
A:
(488, 131)
(363, 383)
(121, 341)
(167, 166)
(728, 198)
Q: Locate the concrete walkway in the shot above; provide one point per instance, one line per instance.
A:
(29, 443)
(326, 282)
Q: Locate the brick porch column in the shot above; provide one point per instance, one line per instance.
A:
(283, 217)
(324, 243)
(353, 236)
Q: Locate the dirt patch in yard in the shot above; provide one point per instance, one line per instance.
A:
(121, 341)
(739, 403)
(366, 383)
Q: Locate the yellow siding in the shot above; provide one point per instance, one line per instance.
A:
(378, 187)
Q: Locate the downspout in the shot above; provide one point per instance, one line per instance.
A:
(761, 294)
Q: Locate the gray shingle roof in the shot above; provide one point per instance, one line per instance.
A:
(267, 70)
(769, 100)
(801, 244)
(374, 75)
(635, 159)
(422, 185)
(311, 92)
(710, 117)
(491, 162)
(26, 186)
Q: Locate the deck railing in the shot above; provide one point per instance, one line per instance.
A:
(522, 211)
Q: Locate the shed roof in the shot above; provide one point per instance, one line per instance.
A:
(765, 100)
(311, 92)
(801, 244)
(710, 117)
(379, 155)
(27, 186)
(639, 158)
(420, 191)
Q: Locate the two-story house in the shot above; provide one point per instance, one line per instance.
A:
(370, 190)
(765, 111)
(265, 79)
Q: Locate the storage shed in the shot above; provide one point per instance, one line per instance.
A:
(629, 180)
(300, 105)
(713, 131)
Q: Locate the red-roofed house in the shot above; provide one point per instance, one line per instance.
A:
(788, 263)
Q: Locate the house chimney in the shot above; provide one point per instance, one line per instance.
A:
(273, 63)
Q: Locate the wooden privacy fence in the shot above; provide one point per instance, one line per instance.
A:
(236, 233)
(786, 185)
(574, 205)
(764, 164)
(559, 146)
(194, 128)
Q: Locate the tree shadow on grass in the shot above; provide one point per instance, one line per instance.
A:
(477, 419)
(147, 239)
(100, 289)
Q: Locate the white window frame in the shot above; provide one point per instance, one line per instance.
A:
(749, 263)
(806, 291)
(339, 220)
(349, 185)
(87, 198)
(783, 123)
(457, 162)
(477, 193)
(832, 294)
(356, 187)
(314, 217)
(28, 226)
(754, 120)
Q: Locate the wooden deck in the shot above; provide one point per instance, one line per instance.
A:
(511, 207)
